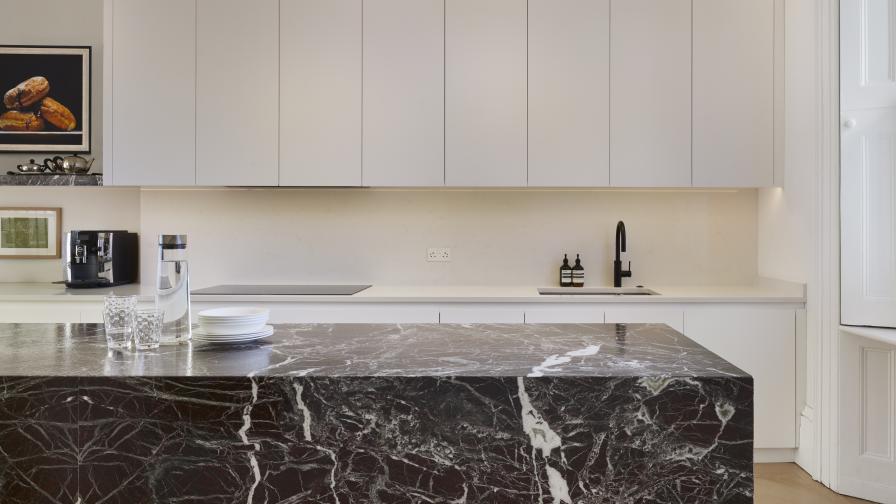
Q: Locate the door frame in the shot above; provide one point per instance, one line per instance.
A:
(818, 430)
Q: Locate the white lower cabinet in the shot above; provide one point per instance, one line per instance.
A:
(482, 314)
(672, 317)
(560, 314)
(340, 313)
(762, 342)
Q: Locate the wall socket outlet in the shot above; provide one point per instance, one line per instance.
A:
(438, 254)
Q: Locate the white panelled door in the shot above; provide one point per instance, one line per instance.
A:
(868, 164)
(868, 218)
(867, 369)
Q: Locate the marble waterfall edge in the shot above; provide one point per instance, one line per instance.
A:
(376, 413)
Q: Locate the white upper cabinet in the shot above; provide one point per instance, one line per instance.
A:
(569, 78)
(152, 135)
(650, 100)
(733, 93)
(485, 92)
(320, 92)
(236, 92)
(404, 93)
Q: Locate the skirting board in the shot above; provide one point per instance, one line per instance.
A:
(771, 455)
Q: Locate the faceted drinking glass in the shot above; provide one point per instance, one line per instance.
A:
(119, 313)
(148, 328)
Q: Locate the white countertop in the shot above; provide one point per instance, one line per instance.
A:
(763, 291)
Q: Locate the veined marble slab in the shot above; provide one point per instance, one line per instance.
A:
(54, 179)
(375, 413)
(375, 350)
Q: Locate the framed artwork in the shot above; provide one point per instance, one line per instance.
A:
(45, 99)
(30, 233)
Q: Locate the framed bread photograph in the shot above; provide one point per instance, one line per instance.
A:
(45, 99)
(30, 233)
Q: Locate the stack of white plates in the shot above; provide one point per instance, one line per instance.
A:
(233, 325)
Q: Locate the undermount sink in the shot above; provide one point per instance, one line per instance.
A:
(597, 291)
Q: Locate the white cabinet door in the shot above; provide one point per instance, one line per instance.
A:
(733, 93)
(237, 102)
(320, 92)
(153, 99)
(673, 317)
(868, 230)
(404, 93)
(650, 101)
(565, 314)
(485, 92)
(481, 314)
(348, 314)
(762, 342)
(568, 90)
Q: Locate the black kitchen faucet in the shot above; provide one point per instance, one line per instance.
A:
(618, 272)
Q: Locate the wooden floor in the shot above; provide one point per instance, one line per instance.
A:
(788, 484)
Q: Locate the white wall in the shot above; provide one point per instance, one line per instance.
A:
(787, 219)
(496, 237)
(82, 207)
(60, 22)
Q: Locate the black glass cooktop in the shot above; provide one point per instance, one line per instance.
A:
(282, 290)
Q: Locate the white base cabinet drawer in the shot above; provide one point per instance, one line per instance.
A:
(481, 314)
(559, 314)
(762, 342)
(672, 317)
(337, 313)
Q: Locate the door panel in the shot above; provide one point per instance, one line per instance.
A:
(868, 49)
(868, 214)
(237, 110)
(485, 92)
(320, 92)
(650, 105)
(868, 418)
(672, 317)
(154, 92)
(733, 93)
(762, 342)
(568, 93)
(404, 93)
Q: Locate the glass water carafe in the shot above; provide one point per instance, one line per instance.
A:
(173, 288)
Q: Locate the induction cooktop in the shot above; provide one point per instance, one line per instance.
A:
(281, 290)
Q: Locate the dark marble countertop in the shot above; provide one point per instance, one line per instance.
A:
(51, 179)
(505, 350)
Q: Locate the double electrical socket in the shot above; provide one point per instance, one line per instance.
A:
(438, 254)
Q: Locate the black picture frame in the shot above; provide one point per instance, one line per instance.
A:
(67, 70)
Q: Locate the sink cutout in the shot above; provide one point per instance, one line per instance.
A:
(597, 291)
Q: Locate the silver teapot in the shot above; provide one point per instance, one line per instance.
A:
(73, 164)
(31, 167)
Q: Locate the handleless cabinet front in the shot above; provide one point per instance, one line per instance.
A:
(153, 97)
(568, 93)
(320, 92)
(236, 92)
(485, 92)
(733, 109)
(404, 93)
(650, 97)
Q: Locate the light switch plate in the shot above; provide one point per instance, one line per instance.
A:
(438, 254)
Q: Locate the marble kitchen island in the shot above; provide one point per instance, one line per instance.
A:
(375, 413)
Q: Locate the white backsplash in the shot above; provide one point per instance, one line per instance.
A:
(500, 237)
(496, 237)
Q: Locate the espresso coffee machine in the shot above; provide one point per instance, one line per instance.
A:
(99, 258)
